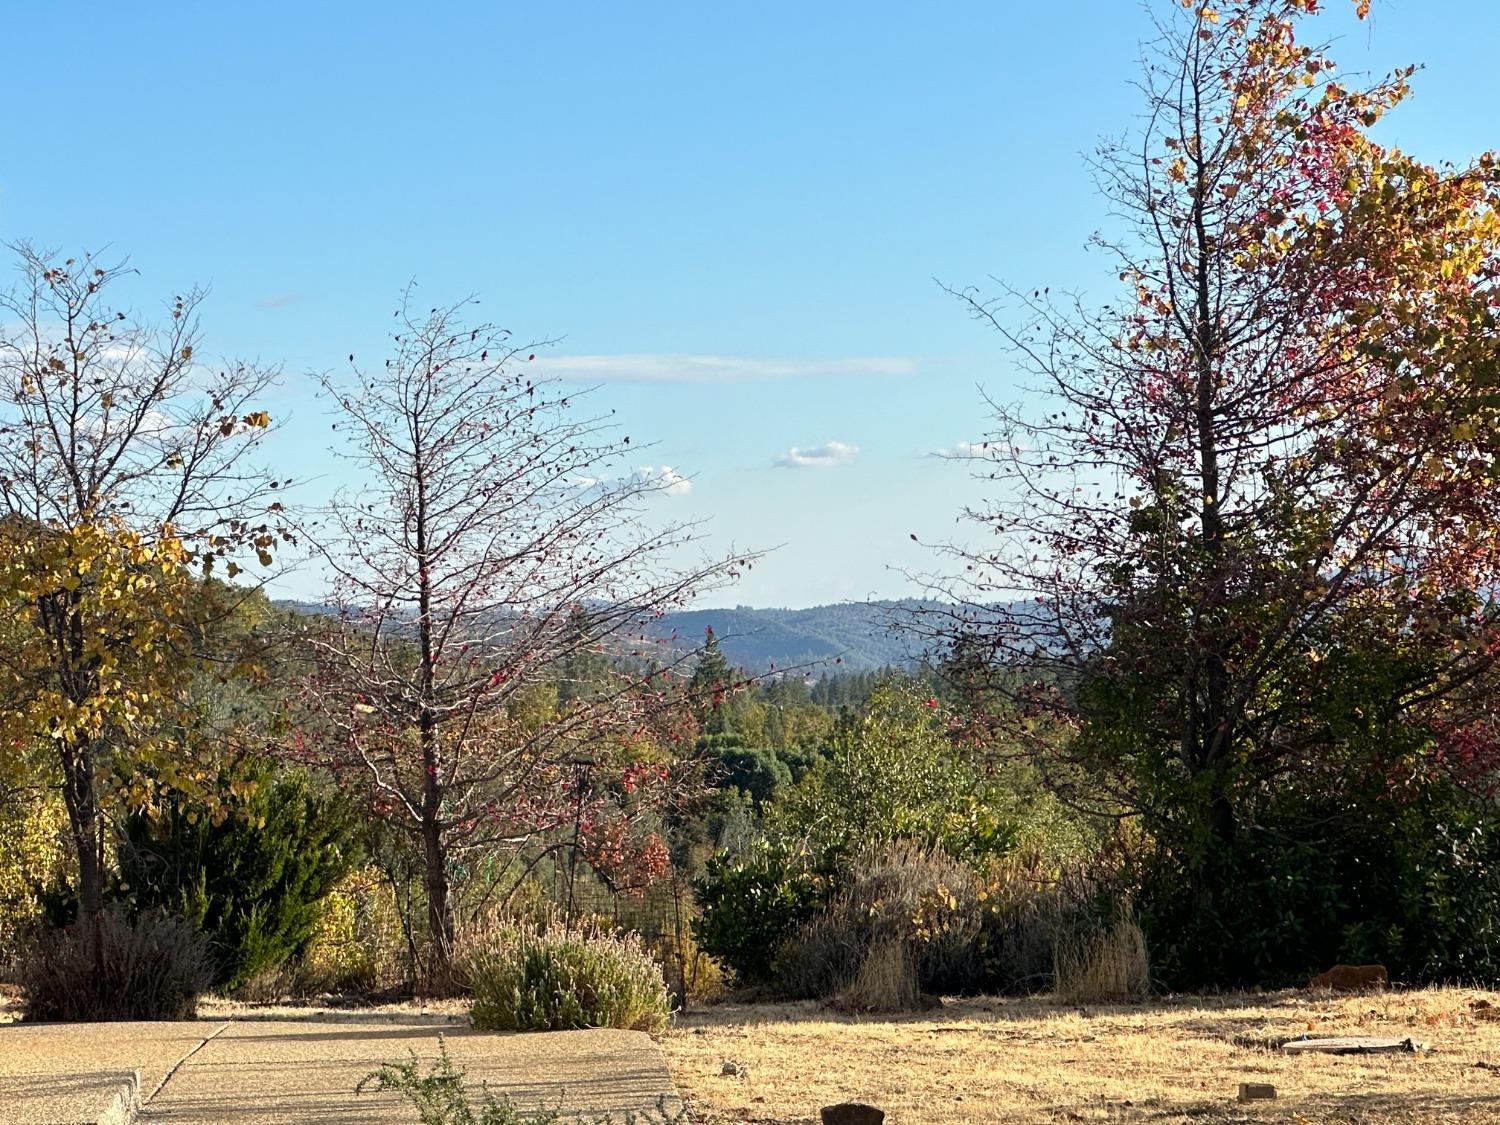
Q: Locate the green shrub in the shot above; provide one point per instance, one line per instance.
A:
(253, 882)
(751, 902)
(355, 947)
(757, 770)
(153, 967)
(1411, 881)
(528, 979)
(895, 773)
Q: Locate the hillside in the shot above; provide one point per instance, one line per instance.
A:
(861, 633)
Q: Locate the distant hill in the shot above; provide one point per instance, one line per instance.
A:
(862, 633)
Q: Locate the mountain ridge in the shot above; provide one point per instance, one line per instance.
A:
(849, 636)
(859, 635)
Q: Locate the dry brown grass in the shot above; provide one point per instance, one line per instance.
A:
(1108, 964)
(1166, 1061)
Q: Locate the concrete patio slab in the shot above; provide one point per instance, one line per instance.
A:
(106, 1097)
(63, 1074)
(271, 1072)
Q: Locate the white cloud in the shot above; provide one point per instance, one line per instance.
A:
(279, 301)
(664, 479)
(963, 449)
(819, 457)
(712, 368)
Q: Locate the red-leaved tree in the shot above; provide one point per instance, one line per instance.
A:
(1266, 478)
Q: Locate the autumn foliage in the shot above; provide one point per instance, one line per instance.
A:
(1222, 659)
(1247, 543)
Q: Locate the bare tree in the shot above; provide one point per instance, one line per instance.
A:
(107, 421)
(494, 534)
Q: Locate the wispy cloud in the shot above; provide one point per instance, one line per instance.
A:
(819, 457)
(664, 479)
(278, 301)
(713, 368)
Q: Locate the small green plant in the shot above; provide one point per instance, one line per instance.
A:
(527, 979)
(441, 1098)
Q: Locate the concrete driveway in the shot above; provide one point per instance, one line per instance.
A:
(274, 1071)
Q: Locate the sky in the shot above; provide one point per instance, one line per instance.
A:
(730, 218)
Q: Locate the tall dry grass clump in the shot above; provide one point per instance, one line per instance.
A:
(906, 926)
(1045, 920)
(888, 980)
(1106, 961)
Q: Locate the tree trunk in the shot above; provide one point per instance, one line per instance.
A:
(434, 855)
(84, 831)
(1212, 727)
(439, 910)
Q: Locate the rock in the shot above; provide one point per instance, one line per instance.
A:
(1256, 1092)
(852, 1113)
(1352, 978)
(731, 1069)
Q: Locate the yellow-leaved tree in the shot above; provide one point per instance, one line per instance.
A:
(125, 472)
(94, 668)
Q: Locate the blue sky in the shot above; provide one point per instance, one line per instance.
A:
(770, 188)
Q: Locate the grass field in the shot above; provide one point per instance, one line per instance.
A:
(1166, 1061)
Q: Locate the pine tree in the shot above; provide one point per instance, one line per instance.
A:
(711, 687)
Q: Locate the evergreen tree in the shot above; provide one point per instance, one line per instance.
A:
(711, 687)
(253, 882)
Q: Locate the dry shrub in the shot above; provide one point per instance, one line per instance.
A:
(821, 956)
(1037, 908)
(1103, 962)
(692, 975)
(150, 968)
(907, 924)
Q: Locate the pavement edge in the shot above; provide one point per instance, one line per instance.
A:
(125, 1103)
